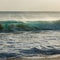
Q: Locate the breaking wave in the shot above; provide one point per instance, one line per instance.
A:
(11, 26)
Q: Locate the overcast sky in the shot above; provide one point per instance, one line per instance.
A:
(29, 5)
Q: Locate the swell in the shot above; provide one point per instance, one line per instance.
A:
(11, 26)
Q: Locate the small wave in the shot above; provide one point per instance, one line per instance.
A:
(40, 51)
(31, 52)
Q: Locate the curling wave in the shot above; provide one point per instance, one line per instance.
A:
(11, 26)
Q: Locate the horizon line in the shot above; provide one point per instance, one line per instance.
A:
(33, 11)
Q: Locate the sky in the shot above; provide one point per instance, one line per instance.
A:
(29, 5)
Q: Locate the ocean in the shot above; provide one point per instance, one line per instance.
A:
(29, 16)
(29, 34)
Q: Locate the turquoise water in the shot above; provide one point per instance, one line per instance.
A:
(29, 21)
(14, 26)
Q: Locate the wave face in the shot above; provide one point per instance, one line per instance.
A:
(11, 26)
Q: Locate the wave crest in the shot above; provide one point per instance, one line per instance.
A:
(10, 26)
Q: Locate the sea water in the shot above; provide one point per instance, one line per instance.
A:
(29, 16)
(29, 43)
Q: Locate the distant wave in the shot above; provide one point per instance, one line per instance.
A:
(13, 26)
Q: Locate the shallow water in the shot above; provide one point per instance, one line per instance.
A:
(29, 43)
